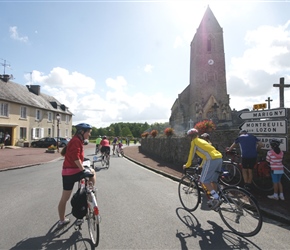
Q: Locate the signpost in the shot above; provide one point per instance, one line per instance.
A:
(266, 142)
(270, 113)
(265, 127)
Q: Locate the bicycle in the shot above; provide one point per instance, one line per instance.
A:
(238, 208)
(262, 179)
(93, 216)
(120, 151)
(106, 159)
(97, 150)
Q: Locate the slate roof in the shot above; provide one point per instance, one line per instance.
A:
(17, 93)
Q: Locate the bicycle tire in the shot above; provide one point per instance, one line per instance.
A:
(103, 160)
(107, 161)
(262, 178)
(189, 193)
(93, 226)
(232, 175)
(240, 211)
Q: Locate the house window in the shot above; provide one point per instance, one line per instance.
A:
(23, 133)
(66, 119)
(66, 133)
(38, 115)
(4, 109)
(49, 132)
(49, 116)
(23, 112)
(37, 133)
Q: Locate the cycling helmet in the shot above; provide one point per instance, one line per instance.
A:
(83, 126)
(275, 143)
(104, 137)
(192, 131)
(205, 135)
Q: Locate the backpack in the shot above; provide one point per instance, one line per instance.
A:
(79, 203)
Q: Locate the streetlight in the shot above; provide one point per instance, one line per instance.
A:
(57, 120)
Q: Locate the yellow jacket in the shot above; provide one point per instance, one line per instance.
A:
(204, 150)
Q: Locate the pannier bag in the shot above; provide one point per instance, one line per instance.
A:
(79, 203)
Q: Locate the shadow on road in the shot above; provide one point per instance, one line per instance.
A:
(213, 238)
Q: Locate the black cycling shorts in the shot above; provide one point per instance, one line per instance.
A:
(68, 181)
(105, 148)
(249, 163)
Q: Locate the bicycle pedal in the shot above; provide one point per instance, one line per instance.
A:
(79, 222)
(78, 227)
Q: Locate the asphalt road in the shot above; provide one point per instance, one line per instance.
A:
(140, 210)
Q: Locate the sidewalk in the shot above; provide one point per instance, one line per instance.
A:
(25, 157)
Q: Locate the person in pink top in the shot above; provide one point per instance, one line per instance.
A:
(105, 146)
(275, 157)
(73, 168)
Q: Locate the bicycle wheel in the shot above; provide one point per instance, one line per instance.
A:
(93, 225)
(107, 161)
(231, 174)
(262, 176)
(189, 193)
(240, 211)
(103, 160)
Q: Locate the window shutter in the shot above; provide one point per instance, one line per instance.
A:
(32, 133)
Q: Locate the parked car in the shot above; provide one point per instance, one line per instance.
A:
(45, 142)
(63, 141)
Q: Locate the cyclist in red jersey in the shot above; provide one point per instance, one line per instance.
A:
(105, 146)
(73, 168)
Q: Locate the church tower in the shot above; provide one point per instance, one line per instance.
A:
(206, 96)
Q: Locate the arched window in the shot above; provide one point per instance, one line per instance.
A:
(209, 45)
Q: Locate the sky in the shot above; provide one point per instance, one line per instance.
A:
(127, 61)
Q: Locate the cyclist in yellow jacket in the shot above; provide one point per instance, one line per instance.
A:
(211, 164)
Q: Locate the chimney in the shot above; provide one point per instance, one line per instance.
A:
(5, 78)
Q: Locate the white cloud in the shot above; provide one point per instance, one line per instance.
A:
(14, 35)
(178, 42)
(148, 68)
(64, 80)
(101, 107)
(261, 65)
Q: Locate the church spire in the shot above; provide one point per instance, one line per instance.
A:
(208, 22)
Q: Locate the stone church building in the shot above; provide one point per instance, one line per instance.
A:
(206, 95)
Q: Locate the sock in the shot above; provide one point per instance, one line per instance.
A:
(214, 194)
(275, 195)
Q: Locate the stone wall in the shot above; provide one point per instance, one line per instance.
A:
(175, 149)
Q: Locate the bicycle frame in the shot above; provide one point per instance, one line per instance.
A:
(92, 216)
(196, 177)
(91, 198)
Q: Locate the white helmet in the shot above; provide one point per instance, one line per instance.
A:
(192, 131)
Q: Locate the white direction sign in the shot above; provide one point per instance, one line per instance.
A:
(260, 114)
(266, 142)
(265, 127)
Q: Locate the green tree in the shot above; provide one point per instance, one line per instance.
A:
(126, 131)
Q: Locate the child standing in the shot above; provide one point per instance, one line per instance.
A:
(275, 157)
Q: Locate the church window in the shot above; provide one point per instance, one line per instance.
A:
(224, 116)
(205, 76)
(215, 76)
(209, 45)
